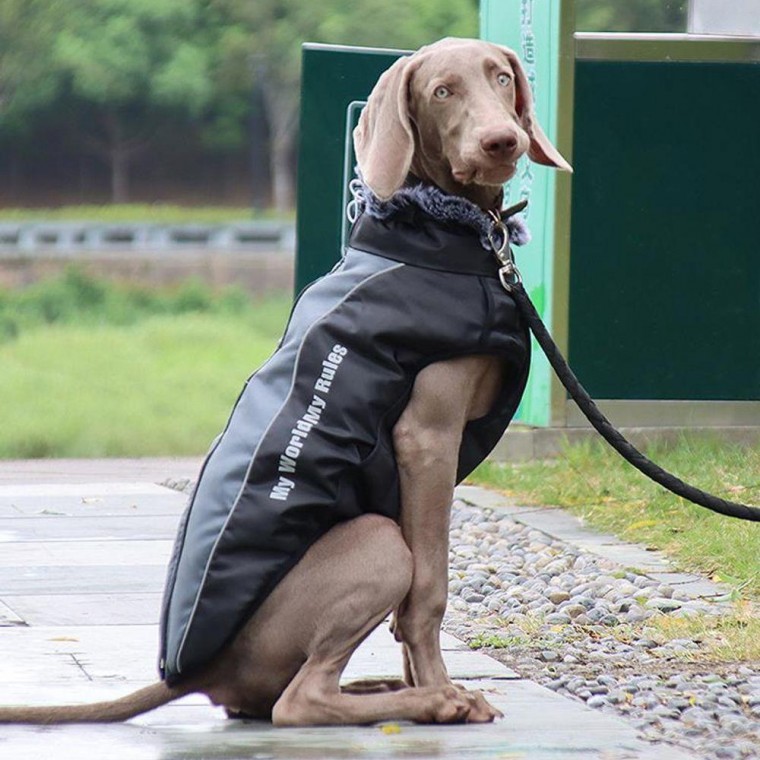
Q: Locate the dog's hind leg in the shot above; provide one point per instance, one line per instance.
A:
(289, 658)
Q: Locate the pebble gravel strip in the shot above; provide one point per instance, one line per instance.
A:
(573, 622)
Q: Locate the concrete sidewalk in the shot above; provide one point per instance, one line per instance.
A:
(83, 550)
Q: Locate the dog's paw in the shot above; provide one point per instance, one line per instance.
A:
(448, 705)
(481, 710)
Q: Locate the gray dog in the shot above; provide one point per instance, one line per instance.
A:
(441, 133)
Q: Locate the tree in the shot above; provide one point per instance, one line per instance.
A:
(631, 16)
(26, 81)
(263, 40)
(116, 70)
(136, 62)
(127, 64)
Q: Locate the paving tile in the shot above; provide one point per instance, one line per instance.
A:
(564, 526)
(87, 609)
(93, 504)
(489, 499)
(85, 553)
(369, 663)
(703, 589)
(693, 585)
(65, 579)
(85, 528)
(39, 671)
(451, 642)
(80, 490)
(111, 641)
(629, 555)
(114, 653)
(84, 471)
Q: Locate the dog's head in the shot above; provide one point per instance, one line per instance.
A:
(457, 113)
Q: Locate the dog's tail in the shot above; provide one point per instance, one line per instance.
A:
(112, 711)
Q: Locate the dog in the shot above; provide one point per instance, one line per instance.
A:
(451, 121)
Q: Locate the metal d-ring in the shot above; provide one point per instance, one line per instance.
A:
(511, 271)
(509, 274)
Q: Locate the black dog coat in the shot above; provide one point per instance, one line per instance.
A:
(309, 444)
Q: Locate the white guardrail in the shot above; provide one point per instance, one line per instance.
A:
(67, 238)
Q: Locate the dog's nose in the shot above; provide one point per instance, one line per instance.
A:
(500, 142)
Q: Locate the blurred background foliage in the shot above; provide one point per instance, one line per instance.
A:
(631, 15)
(196, 101)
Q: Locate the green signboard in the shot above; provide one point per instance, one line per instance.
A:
(538, 31)
(335, 85)
(665, 274)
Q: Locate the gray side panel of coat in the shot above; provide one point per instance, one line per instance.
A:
(226, 468)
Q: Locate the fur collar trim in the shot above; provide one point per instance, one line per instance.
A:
(441, 206)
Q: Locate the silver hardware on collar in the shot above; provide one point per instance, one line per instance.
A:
(358, 202)
(509, 274)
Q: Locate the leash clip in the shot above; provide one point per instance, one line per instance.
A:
(509, 274)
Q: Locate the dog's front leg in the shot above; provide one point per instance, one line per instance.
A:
(426, 439)
(427, 465)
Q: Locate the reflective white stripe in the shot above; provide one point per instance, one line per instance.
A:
(392, 268)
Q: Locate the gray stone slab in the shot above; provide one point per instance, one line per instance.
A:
(162, 501)
(86, 553)
(451, 642)
(87, 528)
(113, 653)
(566, 527)
(65, 579)
(693, 585)
(539, 725)
(79, 490)
(486, 497)
(703, 589)
(41, 673)
(369, 663)
(131, 472)
(558, 523)
(87, 609)
(629, 555)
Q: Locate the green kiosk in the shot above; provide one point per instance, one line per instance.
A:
(645, 263)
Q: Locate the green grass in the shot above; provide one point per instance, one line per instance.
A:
(593, 482)
(162, 386)
(77, 298)
(92, 369)
(731, 638)
(156, 213)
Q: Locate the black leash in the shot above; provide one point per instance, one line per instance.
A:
(512, 283)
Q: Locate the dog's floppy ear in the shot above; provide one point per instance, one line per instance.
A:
(541, 150)
(383, 138)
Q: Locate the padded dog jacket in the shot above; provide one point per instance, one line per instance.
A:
(308, 443)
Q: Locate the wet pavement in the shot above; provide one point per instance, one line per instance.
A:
(83, 550)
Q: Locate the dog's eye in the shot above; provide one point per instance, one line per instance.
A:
(442, 92)
(504, 79)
